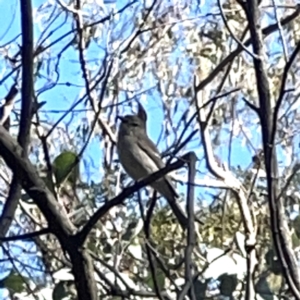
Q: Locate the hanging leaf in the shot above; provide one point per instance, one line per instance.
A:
(228, 284)
(296, 226)
(66, 167)
(273, 262)
(160, 277)
(14, 282)
(63, 290)
(268, 285)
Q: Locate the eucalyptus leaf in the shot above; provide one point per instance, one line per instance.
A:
(66, 167)
(160, 277)
(14, 282)
(63, 290)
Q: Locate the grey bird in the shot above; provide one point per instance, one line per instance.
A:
(139, 157)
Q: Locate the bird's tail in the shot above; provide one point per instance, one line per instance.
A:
(166, 189)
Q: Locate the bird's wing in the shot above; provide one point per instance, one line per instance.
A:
(167, 189)
(149, 147)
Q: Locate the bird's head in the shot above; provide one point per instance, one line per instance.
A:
(131, 124)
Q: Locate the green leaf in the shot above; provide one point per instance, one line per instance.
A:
(296, 226)
(160, 277)
(228, 284)
(14, 282)
(63, 290)
(269, 285)
(273, 262)
(295, 240)
(66, 167)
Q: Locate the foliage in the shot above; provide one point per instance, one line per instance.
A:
(95, 60)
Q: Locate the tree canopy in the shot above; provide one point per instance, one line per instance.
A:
(219, 81)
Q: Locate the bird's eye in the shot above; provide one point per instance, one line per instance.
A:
(134, 124)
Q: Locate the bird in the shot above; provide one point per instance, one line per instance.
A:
(140, 157)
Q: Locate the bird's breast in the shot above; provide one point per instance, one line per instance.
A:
(134, 160)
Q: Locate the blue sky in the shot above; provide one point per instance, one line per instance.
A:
(60, 99)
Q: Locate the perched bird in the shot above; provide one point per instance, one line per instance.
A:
(139, 157)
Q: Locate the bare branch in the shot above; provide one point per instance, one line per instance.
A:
(279, 224)
(26, 113)
(58, 222)
(191, 237)
(230, 31)
(25, 236)
(82, 235)
(236, 187)
(266, 31)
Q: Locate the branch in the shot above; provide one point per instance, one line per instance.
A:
(240, 43)
(282, 89)
(266, 31)
(82, 235)
(147, 232)
(11, 203)
(33, 184)
(191, 239)
(279, 224)
(26, 236)
(232, 183)
(58, 222)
